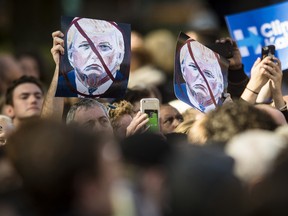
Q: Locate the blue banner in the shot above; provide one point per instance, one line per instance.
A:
(261, 27)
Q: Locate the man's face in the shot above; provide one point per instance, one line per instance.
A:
(93, 118)
(85, 60)
(170, 118)
(27, 101)
(196, 83)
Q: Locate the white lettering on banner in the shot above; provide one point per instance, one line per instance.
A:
(266, 30)
(274, 28)
(280, 42)
(274, 32)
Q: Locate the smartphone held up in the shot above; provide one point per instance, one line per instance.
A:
(267, 51)
(150, 106)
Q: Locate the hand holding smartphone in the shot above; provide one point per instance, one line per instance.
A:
(150, 106)
(223, 49)
(268, 51)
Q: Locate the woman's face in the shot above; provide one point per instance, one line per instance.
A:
(195, 79)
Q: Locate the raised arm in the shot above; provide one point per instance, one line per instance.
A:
(275, 75)
(53, 106)
(259, 77)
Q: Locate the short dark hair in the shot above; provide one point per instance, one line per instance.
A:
(22, 80)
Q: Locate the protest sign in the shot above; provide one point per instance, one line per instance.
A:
(96, 62)
(200, 75)
(260, 27)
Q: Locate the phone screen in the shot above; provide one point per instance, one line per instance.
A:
(268, 51)
(153, 120)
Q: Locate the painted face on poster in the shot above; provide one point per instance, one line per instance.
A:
(202, 76)
(96, 52)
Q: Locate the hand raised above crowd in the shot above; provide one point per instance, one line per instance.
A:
(268, 69)
(236, 60)
(257, 80)
(259, 73)
(137, 124)
(274, 73)
(58, 46)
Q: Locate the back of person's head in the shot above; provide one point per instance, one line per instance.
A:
(86, 104)
(52, 159)
(254, 152)
(283, 131)
(269, 197)
(138, 92)
(176, 139)
(276, 114)
(145, 157)
(20, 81)
(201, 182)
(135, 95)
(145, 150)
(230, 119)
(12, 199)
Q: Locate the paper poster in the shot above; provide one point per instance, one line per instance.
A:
(200, 75)
(261, 27)
(96, 62)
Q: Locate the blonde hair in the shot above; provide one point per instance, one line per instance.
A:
(191, 114)
(254, 152)
(197, 132)
(123, 107)
(184, 126)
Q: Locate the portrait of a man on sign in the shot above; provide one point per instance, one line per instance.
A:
(96, 61)
(199, 79)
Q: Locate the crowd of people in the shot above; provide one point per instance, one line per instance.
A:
(92, 156)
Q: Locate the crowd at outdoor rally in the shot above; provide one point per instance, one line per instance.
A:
(92, 153)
